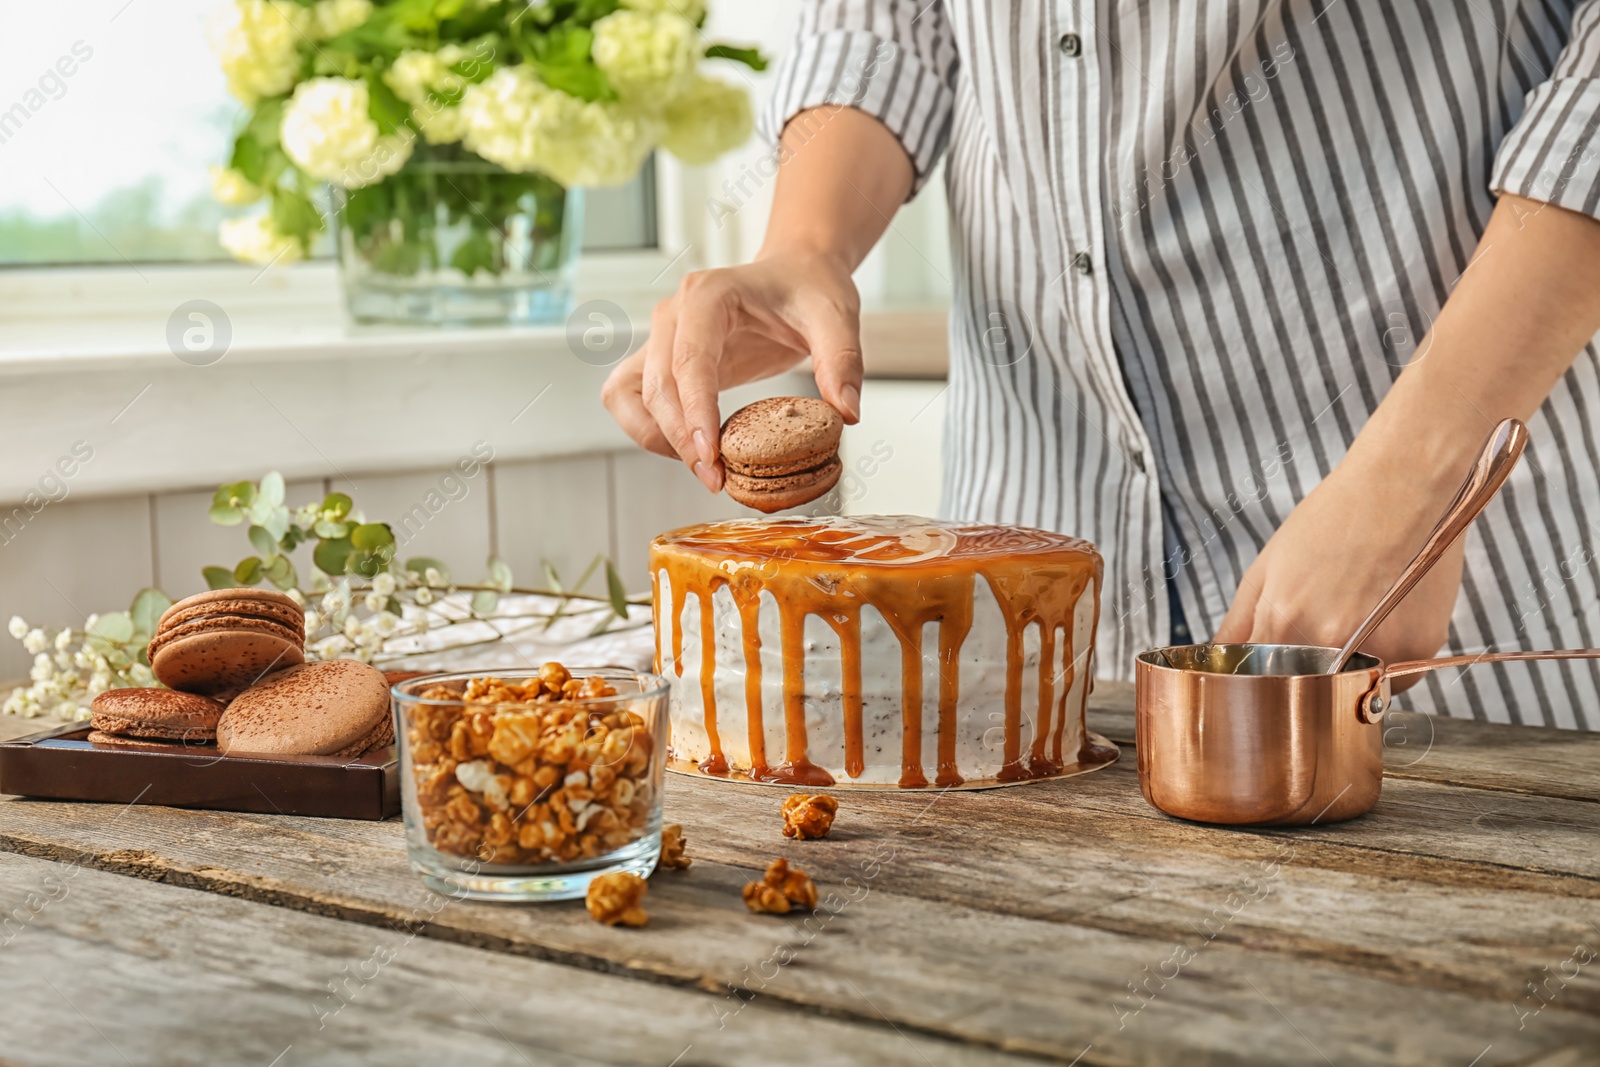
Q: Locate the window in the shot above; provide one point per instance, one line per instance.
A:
(110, 113)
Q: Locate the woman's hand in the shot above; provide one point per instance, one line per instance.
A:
(1337, 554)
(727, 327)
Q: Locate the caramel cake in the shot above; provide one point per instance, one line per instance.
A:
(887, 651)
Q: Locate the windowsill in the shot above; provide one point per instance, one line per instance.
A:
(84, 357)
(71, 320)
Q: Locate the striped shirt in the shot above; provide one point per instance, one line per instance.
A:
(1194, 245)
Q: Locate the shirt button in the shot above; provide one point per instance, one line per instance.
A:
(1071, 45)
(1083, 264)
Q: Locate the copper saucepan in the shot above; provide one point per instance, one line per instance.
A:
(1291, 734)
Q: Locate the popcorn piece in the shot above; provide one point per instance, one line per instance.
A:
(674, 849)
(479, 776)
(796, 885)
(806, 816)
(761, 898)
(782, 889)
(616, 899)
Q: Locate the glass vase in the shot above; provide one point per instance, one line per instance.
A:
(464, 242)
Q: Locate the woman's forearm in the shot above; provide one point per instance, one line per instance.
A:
(841, 177)
(1518, 316)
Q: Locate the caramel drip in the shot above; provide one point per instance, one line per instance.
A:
(714, 763)
(655, 621)
(1069, 674)
(847, 625)
(1038, 765)
(1049, 599)
(911, 776)
(748, 597)
(680, 594)
(795, 768)
(1012, 769)
(912, 572)
(953, 630)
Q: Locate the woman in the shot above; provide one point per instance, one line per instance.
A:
(1241, 289)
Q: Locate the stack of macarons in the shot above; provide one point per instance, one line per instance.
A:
(222, 642)
(233, 664)
(781, 452)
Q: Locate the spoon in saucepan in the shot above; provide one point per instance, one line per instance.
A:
(1500, 454)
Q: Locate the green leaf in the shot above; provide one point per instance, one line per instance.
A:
(271, 489)
(326, 528)
(280, 572)
(474, 254)
(383, 106)
(146, 609)
(248, 571)
(500, 574)
(750, 57)
(294, 215)
(218, 577)
(372, 536)
(552, 579)
(394, 607)
(226, 515)
(331, 555)
(113, 626)
(583, 579)
(614, 589)
(582, 80)
(336, 505)
(484, 601)
(263, 541)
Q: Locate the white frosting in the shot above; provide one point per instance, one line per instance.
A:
(980, 709)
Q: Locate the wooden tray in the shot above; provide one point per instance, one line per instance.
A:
(60, 764)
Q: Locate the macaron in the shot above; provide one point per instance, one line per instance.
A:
(226, 639)
(336, 707)
(781, 452)
(155, 714)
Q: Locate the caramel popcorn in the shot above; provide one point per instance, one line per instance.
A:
(796, 885)
(674, 849)
(782, 889)
(527, 775)
(616, 899)
(806, 816)
(761, 898)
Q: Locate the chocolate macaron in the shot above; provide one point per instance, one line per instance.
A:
(334, 708)
(153, 715)
(226, 639)
(781, 452)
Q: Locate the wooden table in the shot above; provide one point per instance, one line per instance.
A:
(1059, 923)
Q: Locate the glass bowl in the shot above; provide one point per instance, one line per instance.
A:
(511, 794)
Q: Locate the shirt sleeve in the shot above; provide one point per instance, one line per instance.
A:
(894, 59)
(1552, 153)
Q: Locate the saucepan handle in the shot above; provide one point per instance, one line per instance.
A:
(1372, 706)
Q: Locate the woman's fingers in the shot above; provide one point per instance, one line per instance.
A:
(623, 397)
(1238, 624)
(707, 314)
(661, 394)
(832, 329)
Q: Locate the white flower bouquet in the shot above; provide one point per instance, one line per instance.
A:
(426, 114)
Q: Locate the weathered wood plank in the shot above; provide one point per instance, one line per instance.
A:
(1517, 759)
(1050, 906)
(100, 969)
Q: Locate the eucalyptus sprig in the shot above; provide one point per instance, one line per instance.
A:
(360, 601)
(355, 563)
